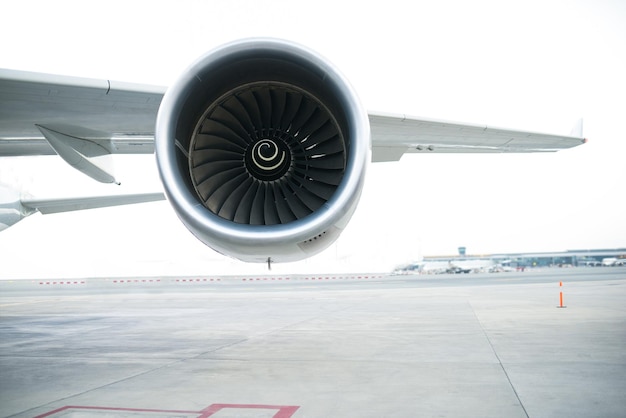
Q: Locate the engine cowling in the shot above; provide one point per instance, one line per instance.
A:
(262, 147)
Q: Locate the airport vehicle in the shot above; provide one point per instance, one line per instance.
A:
(261, 144)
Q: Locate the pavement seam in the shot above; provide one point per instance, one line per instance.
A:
(268, 332)
(495, 353)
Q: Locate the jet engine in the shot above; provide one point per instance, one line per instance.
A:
(262, 147)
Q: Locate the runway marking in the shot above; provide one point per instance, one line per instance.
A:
(282, 411)
(61, 282)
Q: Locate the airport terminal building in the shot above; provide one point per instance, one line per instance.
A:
(574, 258)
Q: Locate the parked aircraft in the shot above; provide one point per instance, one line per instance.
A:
(261, 144)
(450, 266)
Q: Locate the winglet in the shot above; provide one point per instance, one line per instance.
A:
(577, 129)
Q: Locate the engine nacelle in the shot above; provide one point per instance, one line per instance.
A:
(262, 148)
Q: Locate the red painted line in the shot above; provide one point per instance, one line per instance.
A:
(99, 408)
(60, 283)
(283, 411)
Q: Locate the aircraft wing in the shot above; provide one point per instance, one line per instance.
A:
(47, 206)
(395, 135)
(118, 118)
(261, 144)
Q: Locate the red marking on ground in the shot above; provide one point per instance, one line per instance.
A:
(61, 283)
(283, 411)
(100, 408)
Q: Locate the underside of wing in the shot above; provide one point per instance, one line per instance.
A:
(118, 117)
(395, 135)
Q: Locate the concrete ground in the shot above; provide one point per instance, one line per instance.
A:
(479, 345)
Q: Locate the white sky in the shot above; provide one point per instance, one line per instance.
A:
(535, 65)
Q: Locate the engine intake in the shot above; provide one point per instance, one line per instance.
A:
(262, 147)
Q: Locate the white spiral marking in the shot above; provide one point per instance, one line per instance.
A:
(256, 153)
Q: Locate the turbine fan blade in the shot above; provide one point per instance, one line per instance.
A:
(265, 154)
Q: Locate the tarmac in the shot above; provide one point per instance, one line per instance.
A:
(470, 345)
